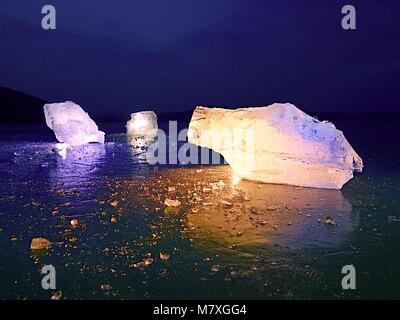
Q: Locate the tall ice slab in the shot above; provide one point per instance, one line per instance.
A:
(277, 144)
(71, 124)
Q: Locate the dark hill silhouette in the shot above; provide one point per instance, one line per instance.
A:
(19, 107)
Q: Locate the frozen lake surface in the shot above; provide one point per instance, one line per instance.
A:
(247, 240)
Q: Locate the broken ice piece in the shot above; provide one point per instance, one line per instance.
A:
(226, 203)
(40, 244)
(106, 287)
(71, 124)
(172, 202)
(57, 295)
(142, 124)
(276, 144)
(164, 256)
(330, 222)
(215, 268)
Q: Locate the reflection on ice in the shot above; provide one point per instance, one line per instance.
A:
(220, 211)
(247, 238)
(253, 213)
(61, 149)
(76, 163)
(228, 238)
(140, 146)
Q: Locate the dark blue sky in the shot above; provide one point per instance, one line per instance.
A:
(116, 57)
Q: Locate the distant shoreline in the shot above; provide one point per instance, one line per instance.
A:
(20, 108)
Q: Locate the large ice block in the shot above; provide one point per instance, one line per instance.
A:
(277, 144)
(142, 124)
(71, 124)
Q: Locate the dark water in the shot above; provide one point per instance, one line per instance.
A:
(262, 242)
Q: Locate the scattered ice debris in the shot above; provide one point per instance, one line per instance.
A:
(56, 295)
(393, 219)
(215, 268)
(207, 204)
(226, 204)
(114, 203)
(172, 202)
(214, 186)
(164, 256)
(106, 287)
(40, 244)
(217, 185)
(35, 203)
(253, 210)
(330, 222)
(71, 124)
(146, 262)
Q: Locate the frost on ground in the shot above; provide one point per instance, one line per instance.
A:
(71, 124)
(277, 144)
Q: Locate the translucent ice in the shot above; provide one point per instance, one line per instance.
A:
(277, 144)
(71, 124)
(142, 124)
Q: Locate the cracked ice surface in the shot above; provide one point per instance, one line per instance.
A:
(277, 144)
(71, 124)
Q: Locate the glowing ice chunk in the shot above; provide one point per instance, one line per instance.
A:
(142, 124)
(71, 124)
(277, 144)
(61, 149)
